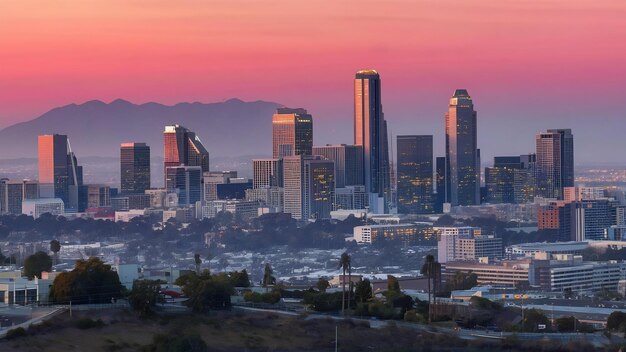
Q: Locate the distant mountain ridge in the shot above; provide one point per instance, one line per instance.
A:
(95, 128)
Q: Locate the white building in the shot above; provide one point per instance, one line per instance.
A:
(37, 207)
(447, 238)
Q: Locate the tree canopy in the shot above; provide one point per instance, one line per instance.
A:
(91, 281)
(36, 263)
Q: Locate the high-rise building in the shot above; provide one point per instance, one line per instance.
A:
(440, 180)
(292, 133)
(134, 167)
(555, 162)
(183, 148)
(348, 162)
(267, 173)
(184, 181)
(309, 187)
(59, 173)
(462, 153)
(370, 132)
(14, 192)
(415, 174)
(500, 179)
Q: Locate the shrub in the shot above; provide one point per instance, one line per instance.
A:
(88, 323)
(15, 333)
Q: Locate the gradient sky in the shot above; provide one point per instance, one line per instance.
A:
(529, 65)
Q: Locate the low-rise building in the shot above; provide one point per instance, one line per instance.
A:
(37, 207)
(410, 234)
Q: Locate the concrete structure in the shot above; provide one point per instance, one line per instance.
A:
(350, 198)
(245, 210)
(447, 240)
(37, 207)
(126, 216)
(530, 249)
(309, 187)
(127, 273)
(409, 234)
(504, 273)
(267, 173)
(22, 291)
(14, 192)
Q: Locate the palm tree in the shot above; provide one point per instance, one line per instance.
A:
(428, 270)
(344, 264)
(55, 247)
(198, 261)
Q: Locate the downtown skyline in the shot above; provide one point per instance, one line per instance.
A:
(522, 81)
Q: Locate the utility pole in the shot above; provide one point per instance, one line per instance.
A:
(336, 337)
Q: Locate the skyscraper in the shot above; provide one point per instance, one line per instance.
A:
(348, 163)
(267, 173)
(462, 153)
(134, 167)
(183, 148)
(292, 132)
(309, 187)
(415, 174)
(370, 132)
(500, 179)
(555, 162)
(14, 192)
(186, 182)
(59, 173)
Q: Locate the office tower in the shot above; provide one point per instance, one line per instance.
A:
(309, 187)
(462, 154)
(415, 174)
(98, 196)
(267, 173)
(292, 132)
(134, 167)
(524, 179)
(59, 173)
(185, 182)
(14, 192)
(440, 178)
(183, 148)
(555, 162)
(500, 179)
(224, 185)
(350, 198)
(348, 162)
(370, 132)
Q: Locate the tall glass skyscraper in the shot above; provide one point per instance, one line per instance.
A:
(415, 174)
(370, 132)
(292, 133)
(59, 173)
(348, 162)
(134, 167)
(183, 148)
(462, 153)
(555, 162)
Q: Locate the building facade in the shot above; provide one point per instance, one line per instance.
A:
(462, 153)
(415, 174)
(183, 147)
(370, 132)
(555, 162)
(134, 167)
(292, 133)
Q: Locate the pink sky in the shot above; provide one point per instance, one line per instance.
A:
(532, 56)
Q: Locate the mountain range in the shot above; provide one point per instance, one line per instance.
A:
(227, 129)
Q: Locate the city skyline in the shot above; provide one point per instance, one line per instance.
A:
(567, 75)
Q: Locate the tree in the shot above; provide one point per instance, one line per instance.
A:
(461, 280)
(240, 278)
(198, 262)
(616, 321)
(36, 263)
(144, 296)
(431, 269)
(532, 319)
(55, 247)
(322, 284)
(206, 291)
(363, 291)
(91, 281)
(392, 284)
(268, 279)
(344, 264)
